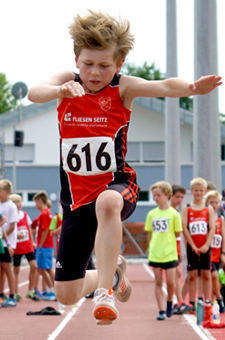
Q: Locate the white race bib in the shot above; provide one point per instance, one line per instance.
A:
(198, 228)
(216, 241)
(160, 225)
(88, 156)
(25, 236)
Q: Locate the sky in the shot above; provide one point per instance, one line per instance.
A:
(35, 41)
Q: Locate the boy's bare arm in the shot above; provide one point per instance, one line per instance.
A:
(211, 233)
(186, 233)
(171, 87)
(43, 237)
(11, 228)
(59, 86)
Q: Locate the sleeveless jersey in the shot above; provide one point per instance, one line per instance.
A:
(93, 135)
(198, 225)
(216, 243)
(24, 245)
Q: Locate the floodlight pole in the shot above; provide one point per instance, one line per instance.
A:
(172, 118)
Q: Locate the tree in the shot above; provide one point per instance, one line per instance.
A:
(150, 72)
(7, 101)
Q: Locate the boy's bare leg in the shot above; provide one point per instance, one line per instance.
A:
(170, 281)
(207, 284)
(158, 288)
(10, 276)
(16, 270)
(193, 275)
(178, 284)
(109, 236)
(32, 274)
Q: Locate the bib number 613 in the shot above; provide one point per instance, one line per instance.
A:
(88, 156)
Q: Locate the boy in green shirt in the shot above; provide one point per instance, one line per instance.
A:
(164, 225)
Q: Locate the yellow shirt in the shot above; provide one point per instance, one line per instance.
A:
(163, 224)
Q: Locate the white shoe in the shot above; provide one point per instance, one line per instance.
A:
(104, 310)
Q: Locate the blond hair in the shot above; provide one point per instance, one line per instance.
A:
(15, 198)
(212, 193)
(199, 181)
(49, 203)
(164, 186)
(41, 195)
(6, 185)
(99, 31)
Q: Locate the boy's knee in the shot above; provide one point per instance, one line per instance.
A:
(109, 201)
(65, 295)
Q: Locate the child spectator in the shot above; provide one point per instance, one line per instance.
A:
(24, 247)
(9, 210)
(45, 246)
(175, 202)
(198, 228)
(55, 228)
(99, 188)
(213, 198)
(164, 225)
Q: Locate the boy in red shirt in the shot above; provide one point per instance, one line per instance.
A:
(24, 247)
(198, 228)
(45, 245)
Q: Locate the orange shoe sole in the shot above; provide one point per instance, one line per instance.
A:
(104, 315)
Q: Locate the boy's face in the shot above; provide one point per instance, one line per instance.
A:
(4, 194)
(177, 199)
(18, 204)
(214, 202)
(159, 196)
(97, 68)
(198, 191)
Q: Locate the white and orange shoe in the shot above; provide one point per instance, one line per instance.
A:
(123, 289)
(104, 310)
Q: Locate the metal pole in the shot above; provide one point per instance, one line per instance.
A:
(172, 118)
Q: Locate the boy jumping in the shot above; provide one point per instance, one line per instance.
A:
(99, 189)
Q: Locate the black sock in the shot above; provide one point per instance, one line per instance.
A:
(169, 305)
(161, 312)
(192, 303)
(11, 296)
(1, 295)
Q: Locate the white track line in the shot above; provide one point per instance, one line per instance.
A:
(64, 322)
(204, 334)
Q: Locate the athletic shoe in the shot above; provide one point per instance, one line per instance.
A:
(169, 312)
(185, 308)
(104, 310)
(33, 296)
(18, 297)
(38, 294)
(49, 297)
(221, 305)
(9, 303)
(161, 316)
(191, 309)
(123, 289)
(176, 309)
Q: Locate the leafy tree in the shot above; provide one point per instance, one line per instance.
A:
(7, 101)
(150, 72)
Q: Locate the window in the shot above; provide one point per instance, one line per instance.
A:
(145, 152)
(222, 152)
(145, 198)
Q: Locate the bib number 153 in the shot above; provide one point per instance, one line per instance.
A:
(88, 156)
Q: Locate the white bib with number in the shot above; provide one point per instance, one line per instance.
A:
(160, 225)
(198, 228)
(88, 156)
(216, 241)
(25, 236)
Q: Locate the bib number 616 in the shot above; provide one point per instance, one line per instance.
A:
(88, 156)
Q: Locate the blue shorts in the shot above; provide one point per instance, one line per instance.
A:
(44, 258)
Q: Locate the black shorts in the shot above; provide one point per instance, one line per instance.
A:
(164, 265)
(5, 257)
(17, 258)
(215, 266)
(78, 236)
(198, 262)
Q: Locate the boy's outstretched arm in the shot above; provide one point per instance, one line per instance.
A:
(171, 87)
(57, 87)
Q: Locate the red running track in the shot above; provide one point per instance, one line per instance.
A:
(137, 318)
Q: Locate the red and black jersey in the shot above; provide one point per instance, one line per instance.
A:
(24, 245)
(216, 243)
(198, 225)
(93, 135)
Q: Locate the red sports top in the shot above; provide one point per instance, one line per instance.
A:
(24, 246)
(93, 134)
(43, 224)
(216, 243)
(198, 225)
